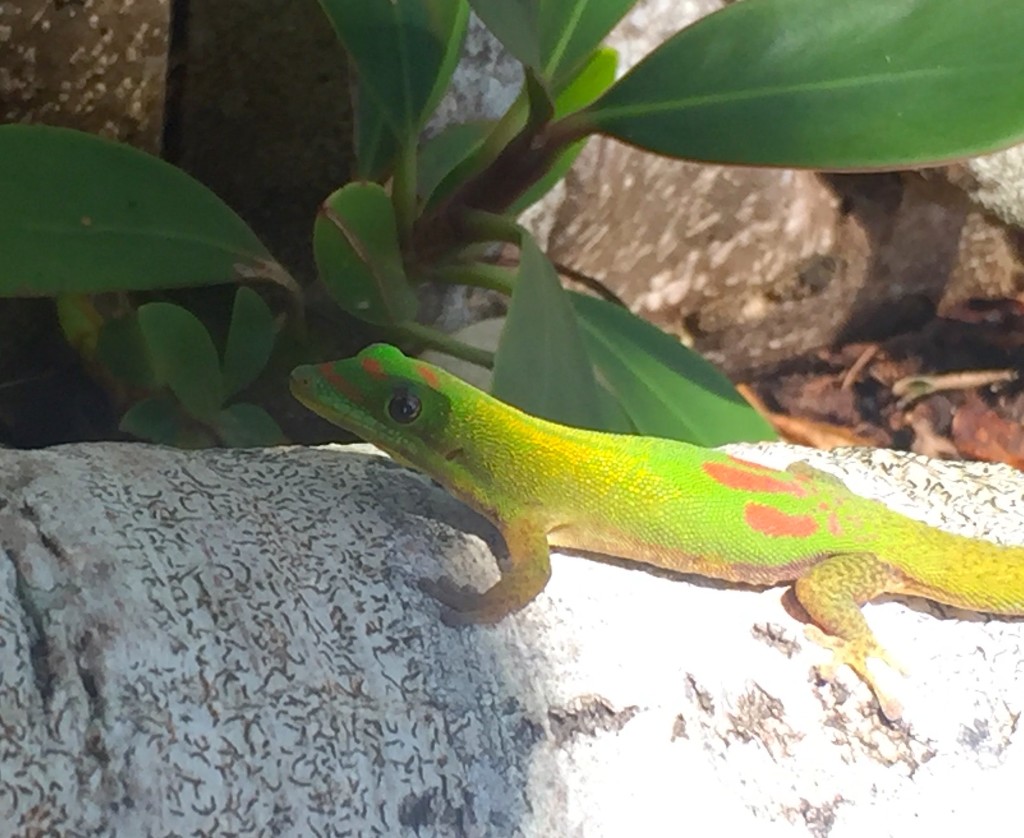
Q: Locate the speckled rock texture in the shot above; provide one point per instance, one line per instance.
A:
(96, 65)
(234, 642)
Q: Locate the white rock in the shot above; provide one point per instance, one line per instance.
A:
(234, 642)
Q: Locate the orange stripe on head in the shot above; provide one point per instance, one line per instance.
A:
(373, 368)
(340, 383)
(748, 477)
(773, 522)
(428, 375)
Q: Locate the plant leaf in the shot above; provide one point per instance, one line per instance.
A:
(553, 37)
(441, 154)
(245, 425)
(542, 365)
(122, 349)
(836, 85)
(376, 143)
(250, 340)
(399, 49)
(666, 389)
(355, 242)
(81, 214)
(595, 77)
(183, 357)
(158, 419)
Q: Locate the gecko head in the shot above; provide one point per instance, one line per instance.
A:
(399, 404)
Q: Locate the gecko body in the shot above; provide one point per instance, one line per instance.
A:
(657, 501)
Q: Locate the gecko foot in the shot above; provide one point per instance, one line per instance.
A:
(856, 657)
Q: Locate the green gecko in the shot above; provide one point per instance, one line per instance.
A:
(658, 501)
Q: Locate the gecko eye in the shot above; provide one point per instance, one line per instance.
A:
(404, 407)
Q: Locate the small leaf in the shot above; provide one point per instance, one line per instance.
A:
(441, 154)
(250, 340)
(541, 364)
(80, 322)
(595, 77)
(158, 419)
(184, 357)
(553, 37)
(399, 50)
(667, 390)
(122, 350)
(355, 242)
(871, 83)
(244, 425)
(377, 146)
(81, 214)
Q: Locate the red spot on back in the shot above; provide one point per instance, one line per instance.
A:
(428, 375)
(340, 383)
(770, 521)
(835, 526)
(373, 367)
(749, 477)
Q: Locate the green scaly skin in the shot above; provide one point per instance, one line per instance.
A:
(657, 501)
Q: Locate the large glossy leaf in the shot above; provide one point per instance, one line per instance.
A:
(542, 365)
(666, 389)
(81, 214)
(836, 85)
(398, 49)
(355, 242)
(552, 36)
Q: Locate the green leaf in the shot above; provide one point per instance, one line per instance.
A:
(158, 419)
(399, 49)
(667, 390)
(250, 340)
(355, 242)
(81, 214)
(184, 357)
(121, 348)
(595, 77)
(442, 153)
(377, 146)
(871, 83)
(541, 365)
(246, 425)
(551, 36)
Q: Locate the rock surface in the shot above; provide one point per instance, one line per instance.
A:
(234, 642)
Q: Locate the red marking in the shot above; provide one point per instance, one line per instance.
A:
(752, 478)
(770, 521)
(373, 368)
(428, 375)
(340, 383)
(835, 526)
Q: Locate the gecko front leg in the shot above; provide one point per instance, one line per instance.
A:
(527, 571)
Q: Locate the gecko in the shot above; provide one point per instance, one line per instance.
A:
(657, 501)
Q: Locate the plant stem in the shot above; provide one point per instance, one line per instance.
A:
(477, 275)
(435, 339)
(403, 192)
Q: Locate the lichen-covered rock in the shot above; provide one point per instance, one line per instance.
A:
(234, 642)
